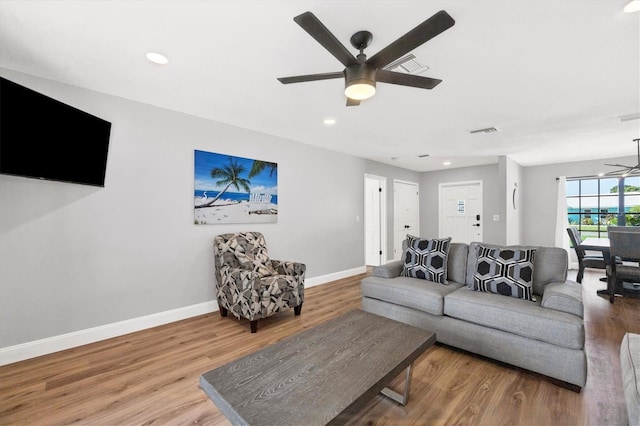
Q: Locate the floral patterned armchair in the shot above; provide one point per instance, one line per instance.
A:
(251, 285)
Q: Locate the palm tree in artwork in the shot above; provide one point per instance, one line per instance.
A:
(258, 166)
(228, 175)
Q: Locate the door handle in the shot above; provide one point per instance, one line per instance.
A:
(476, 224)
(407, 227)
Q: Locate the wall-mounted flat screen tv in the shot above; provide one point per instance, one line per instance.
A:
(43, 138)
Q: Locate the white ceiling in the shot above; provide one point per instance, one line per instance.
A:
(553, 76)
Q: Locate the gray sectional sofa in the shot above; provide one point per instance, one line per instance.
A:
(545, 336)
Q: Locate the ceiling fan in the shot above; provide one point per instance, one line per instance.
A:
(361, 74)
(626, 170)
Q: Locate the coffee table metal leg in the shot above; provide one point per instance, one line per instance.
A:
(400, 399)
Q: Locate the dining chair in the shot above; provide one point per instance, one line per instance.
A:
(584, 260)
(624, 243)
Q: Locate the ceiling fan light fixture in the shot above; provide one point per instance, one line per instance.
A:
(360, 90)
(359, 82)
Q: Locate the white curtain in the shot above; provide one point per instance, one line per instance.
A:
(562, 237)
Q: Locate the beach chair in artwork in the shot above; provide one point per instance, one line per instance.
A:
(259, 203)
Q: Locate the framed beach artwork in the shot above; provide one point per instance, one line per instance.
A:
(230, 189)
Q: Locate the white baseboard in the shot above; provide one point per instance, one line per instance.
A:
(323, 279)
(49, 345)
(23, 351)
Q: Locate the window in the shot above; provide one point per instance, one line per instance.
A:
(593, 204)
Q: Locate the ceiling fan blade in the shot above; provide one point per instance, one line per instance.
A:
(318, 31)
(625, 170)
(352, 102)
(385, 76)
(310, 77)
(424, 32)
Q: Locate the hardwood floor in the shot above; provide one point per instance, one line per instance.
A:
(151, 377)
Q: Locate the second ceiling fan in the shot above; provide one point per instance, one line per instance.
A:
(361, 74)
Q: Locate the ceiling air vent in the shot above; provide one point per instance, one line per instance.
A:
(407, 65)
(487, 130)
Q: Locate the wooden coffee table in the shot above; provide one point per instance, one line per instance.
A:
(322, 375)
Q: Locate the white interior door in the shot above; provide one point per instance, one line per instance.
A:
(374, 223)
(460, 211)
(406, 213)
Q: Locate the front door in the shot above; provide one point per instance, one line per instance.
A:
(460, 215)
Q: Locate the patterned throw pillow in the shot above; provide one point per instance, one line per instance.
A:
(504, 271)
(426, 259)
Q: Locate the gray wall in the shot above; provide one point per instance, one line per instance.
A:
(492, 203)
(74, 257)
(540, 195)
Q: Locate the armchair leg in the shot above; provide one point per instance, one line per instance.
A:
(297, 309)
(223, 311)
(580, 274)
(254, 326)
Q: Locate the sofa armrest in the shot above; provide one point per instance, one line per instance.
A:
(389, 270)
(563, 296)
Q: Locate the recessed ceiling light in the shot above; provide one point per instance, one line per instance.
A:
(446, 163)
(157, 58)
(600, 174)
(329, 121)
(632, 6)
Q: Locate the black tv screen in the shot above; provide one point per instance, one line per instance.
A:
(43, 138)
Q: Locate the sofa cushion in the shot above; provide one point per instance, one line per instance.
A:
(505, 271)
(457, 262)
(426, 258)
(422, 295)
(550, 265)
(517, 316)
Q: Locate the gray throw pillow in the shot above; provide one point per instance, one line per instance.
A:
(426, 259)
(504, 271)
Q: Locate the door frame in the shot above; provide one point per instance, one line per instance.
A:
(382, 181)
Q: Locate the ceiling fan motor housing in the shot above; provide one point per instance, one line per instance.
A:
(360, 74)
